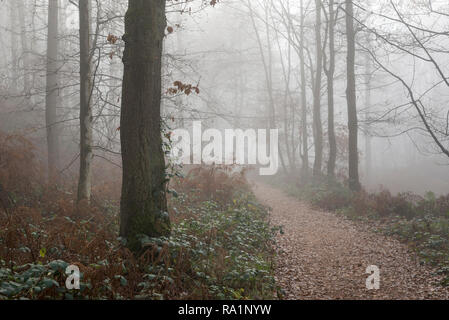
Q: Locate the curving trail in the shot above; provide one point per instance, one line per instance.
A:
(325, 256)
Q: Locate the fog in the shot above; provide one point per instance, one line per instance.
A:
(244, 59)
(224, 150)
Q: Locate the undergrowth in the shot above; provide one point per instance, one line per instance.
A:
(220, 246)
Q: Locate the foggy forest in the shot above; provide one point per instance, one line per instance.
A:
(224, 150)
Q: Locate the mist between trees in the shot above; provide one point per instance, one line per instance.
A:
(264, 64)
(357, 89)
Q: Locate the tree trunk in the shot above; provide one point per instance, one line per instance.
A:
(368, 152)
(305, 144)
(267, 65)
(354, 182)
(143, 202)
(86, 155)
(52, 90)
(330, 95)
(14, 47)
(25, 48)
(317, 125)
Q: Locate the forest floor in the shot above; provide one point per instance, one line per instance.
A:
(322, 255)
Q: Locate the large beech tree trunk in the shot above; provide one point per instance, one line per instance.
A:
(86, 155)
(143, 202)
(354, 182)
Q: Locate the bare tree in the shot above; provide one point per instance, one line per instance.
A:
(266, 59)
(420, 48)
(317, 124)
(368, 140)
(14, 48)
(25, 57)
(353, 168)
(304, 134)
(52, 89)
(86, 155)
(330, 74)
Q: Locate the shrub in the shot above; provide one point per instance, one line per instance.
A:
(217, 183)
(220, 247)
(19, 170)
(431, 205)
(326, 196)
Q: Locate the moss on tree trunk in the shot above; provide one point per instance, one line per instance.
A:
(144, 202)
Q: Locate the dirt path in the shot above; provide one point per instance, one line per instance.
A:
(324, 256)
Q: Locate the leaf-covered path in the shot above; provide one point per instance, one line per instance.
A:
(325, 256)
